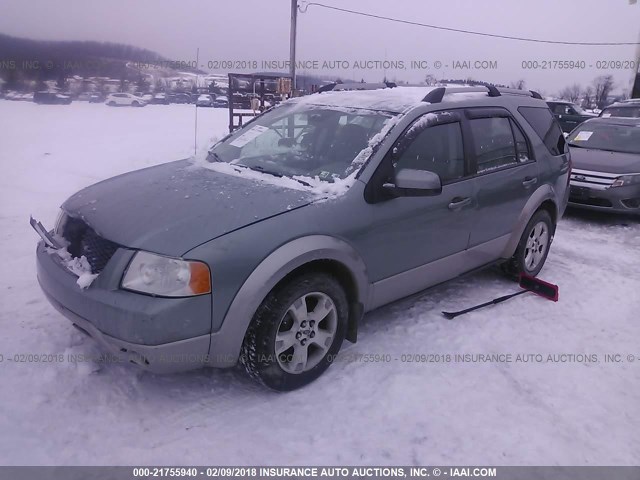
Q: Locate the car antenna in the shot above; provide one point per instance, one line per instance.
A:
(195, 130)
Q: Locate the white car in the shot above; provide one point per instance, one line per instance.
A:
(160, 98)
(204, 100)
(117, 99)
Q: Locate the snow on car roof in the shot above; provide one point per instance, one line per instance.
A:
(396, 99)
(628, 121)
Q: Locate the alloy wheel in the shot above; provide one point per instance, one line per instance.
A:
(306, 332)
(537, 244)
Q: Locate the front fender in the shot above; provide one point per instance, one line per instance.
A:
(226, 343)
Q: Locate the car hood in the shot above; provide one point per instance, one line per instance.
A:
(604, 161)
(172, 208)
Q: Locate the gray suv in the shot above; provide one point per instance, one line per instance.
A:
(271, 249)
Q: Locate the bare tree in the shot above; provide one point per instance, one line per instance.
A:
(430, 80)
(519, 85)
(602, 88)
(587, 97)
(571, 93)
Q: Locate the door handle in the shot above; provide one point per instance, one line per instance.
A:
(529, 181)
(459, 202)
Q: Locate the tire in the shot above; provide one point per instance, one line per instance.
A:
(112, 103)
(135, 104)
(281, 319)
(533, 247)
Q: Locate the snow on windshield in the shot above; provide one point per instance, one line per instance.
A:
(318, 186)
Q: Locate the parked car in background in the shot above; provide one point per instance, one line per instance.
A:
(51, 98)
(568, 114)
(160, 99)
(18, 96)
(179, 98)
(606, 165)
(221, 101)
(124, 99)
(96, 97)
(205, 100)
(625, 109)
(83, 97)
(147, 97)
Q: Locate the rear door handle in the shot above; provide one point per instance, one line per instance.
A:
(459, 202)
(528, 181)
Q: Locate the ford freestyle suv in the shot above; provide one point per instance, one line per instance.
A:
(269, 251)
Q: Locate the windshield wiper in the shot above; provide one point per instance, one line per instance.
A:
(215, 156)
(576, 145)
(260, 169)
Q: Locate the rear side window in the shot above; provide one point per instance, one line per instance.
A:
(547, 128)
(522, 147)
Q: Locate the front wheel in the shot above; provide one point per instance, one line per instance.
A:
(533, 247)
(296, 332)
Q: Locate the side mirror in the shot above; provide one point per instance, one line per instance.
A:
(414, 183)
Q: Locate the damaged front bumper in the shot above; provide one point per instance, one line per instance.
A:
(158, 334)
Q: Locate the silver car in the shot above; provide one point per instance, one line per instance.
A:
(606, 160)
(270, 251)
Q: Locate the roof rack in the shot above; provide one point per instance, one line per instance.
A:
(335, 87)
(437, 94)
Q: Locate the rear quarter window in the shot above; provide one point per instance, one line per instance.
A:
(547, 128)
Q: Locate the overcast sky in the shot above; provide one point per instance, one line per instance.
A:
(258, 30)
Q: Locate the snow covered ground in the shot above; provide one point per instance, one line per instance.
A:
(497, 413)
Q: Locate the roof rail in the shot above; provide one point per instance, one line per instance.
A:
(335, 87)
(437, 94)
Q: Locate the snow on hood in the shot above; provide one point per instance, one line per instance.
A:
(604, 161)
(174, 207)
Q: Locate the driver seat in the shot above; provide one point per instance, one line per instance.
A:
(349, 141)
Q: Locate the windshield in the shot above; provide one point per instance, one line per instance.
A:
(629, 112)
(615, 138)
(303, 140)
(580, 110)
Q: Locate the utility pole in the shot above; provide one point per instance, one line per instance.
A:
(635, 89)
(292, 46)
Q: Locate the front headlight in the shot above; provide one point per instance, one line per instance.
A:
(626, 180)
(166, 276)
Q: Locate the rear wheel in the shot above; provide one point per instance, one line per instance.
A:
(533, 247)
(135, 104)
(296, 332)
